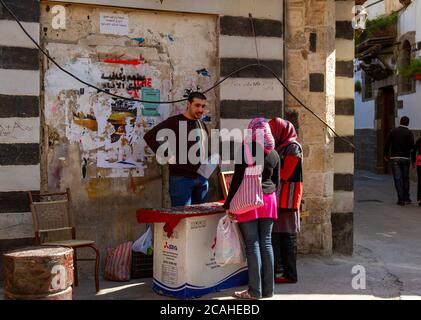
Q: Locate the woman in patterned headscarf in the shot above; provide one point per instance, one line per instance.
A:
(286, 227)
(256, 225)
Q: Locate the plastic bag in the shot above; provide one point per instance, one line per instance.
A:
(208, 167)
(229, 246)
(144, 242)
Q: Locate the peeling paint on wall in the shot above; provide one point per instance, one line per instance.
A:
(203, 72)
(156, 60)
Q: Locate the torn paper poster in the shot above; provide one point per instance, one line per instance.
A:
(113, 23)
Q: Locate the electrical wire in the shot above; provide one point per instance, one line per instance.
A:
(255, 38)
(372, 4)
(308, 109)
(258, 64)
(105, 91)
(292, 95)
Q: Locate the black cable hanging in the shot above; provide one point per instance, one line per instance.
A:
(258, 64)
(105, 91)
(286, 88)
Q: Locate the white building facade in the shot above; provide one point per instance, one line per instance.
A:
(383, 101)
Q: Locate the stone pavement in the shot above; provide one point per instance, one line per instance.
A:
(387, 244)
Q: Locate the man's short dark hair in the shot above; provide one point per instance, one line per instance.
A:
(196, 94)
(404, 121)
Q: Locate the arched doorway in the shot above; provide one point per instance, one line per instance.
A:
(385, 116)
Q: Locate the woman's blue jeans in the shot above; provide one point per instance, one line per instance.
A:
(185, 191)
(257, 235)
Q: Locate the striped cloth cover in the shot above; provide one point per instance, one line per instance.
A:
(249, 195)
(118, 262)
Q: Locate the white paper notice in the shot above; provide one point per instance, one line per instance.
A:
(114, 23)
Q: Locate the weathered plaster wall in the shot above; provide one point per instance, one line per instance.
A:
(109, 181)
(272, 9)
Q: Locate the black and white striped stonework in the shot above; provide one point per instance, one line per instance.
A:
(252, 92)
(19, 122)
(342, 213)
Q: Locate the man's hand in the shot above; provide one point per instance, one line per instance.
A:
(386, 158)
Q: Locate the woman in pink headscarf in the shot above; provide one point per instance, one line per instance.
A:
(285, 228)
(256, 225)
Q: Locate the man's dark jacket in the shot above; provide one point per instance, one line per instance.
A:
(401, 141)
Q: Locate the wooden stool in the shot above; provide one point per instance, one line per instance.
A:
(38, 273)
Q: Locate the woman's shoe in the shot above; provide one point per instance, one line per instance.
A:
(244, 295)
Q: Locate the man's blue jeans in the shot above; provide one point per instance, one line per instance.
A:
(400, 170)
(185, 191)
(257, 236)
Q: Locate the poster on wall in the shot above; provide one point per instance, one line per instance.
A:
(110, 129)
(150, 60)
(113, 23)
(122, 122)
(149, 94)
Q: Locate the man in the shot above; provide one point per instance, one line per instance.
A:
(186, 185)
(401, 141)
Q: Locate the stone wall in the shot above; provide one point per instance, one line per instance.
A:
(310, 70)
(19, 123)
(366, 149)
(342, 211)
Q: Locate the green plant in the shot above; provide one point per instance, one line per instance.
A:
(413, 68)
(358, 86)
(380, 23)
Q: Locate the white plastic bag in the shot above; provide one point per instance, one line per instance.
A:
(144, 242)
(208, 167)
(228, 248)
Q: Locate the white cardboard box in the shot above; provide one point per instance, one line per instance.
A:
(184, 265)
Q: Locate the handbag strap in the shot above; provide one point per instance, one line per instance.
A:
(249, 158)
